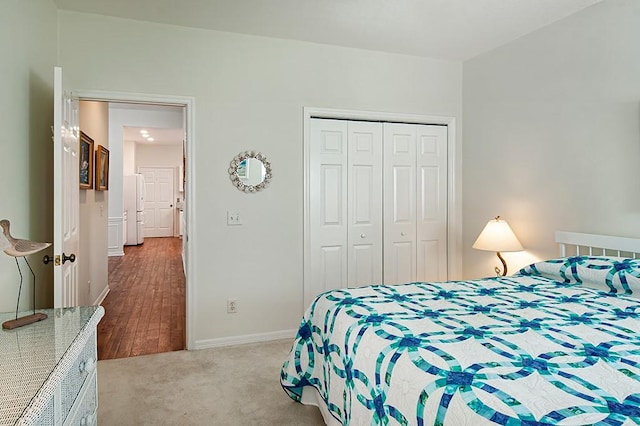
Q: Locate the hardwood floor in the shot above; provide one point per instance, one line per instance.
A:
(145, 308)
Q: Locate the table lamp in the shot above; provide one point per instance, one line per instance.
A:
(497, 236)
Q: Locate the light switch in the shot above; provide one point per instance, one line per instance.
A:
(233, 218)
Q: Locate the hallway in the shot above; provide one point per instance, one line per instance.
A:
(145, 308)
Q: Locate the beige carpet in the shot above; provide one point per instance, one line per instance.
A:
(237, 385)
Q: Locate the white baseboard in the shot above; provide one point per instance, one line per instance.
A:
(246, 338)
(104, 293)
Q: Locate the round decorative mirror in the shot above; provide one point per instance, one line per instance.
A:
(250, 171)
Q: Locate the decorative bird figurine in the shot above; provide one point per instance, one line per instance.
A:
(16, 247)
(20, 248)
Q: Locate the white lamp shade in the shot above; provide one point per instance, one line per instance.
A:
(497, 236)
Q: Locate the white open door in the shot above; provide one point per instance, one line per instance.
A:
(65, 195)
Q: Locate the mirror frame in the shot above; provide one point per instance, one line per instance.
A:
(233, 171)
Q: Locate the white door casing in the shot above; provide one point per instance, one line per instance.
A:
(65, 195)
(159, 201)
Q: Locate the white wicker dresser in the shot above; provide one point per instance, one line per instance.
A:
(48, 369)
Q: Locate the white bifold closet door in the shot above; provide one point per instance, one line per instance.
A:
(345, 205)
(415, 203)
(378, 204)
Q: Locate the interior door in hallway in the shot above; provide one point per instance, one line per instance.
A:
(66, 210)
(159, 199)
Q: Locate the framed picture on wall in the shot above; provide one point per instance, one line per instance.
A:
(102, 168)
(86, 161)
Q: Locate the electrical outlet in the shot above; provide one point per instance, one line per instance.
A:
(233, 218)
(232, 306)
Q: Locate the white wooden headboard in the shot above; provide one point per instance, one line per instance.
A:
(574, 243)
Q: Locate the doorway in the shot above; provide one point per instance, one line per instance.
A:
(159, 265)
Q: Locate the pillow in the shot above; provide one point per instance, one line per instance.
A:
(609, 274)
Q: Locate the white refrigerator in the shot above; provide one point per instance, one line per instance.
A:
(133, 191)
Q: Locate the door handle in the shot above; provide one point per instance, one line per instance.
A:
(71, 258)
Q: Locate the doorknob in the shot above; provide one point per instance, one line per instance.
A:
(71, 258)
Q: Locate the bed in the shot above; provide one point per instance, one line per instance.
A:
(556, 343)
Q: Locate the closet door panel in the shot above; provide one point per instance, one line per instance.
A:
(365, 267)
(403, 207)
(429, 185)
(365, 203)
(399, 264)
(429, 268)
(331, 197)
(331, 266)
(328, 207)
(399, 203)
(432, 203)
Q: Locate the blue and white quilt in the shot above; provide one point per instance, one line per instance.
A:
(557, 343)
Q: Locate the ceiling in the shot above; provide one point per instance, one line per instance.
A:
(446, 29)
(161, 136)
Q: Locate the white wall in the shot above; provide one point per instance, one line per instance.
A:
(93, 272)
(249, 94)
(28, 46)
(129, 158)
(158, 155)
(552, 133)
